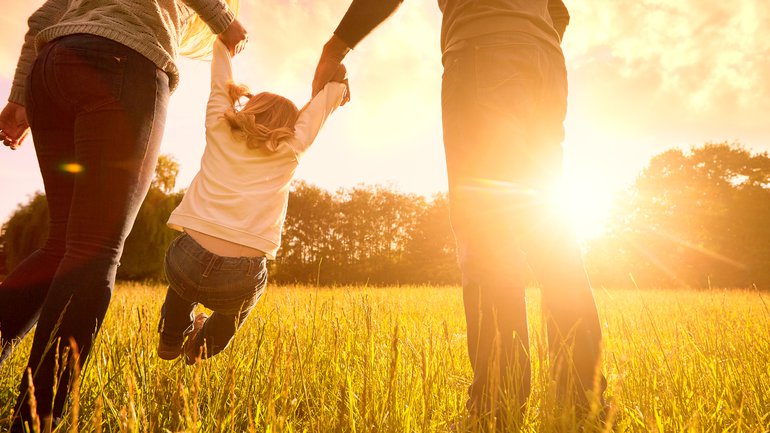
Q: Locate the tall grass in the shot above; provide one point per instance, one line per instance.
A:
(394, 360)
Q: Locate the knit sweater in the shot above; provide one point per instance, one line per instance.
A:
(152, 28)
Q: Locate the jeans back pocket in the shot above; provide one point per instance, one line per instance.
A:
(89, 76)
(509, 78)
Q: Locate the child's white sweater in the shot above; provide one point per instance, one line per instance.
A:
(240, 194)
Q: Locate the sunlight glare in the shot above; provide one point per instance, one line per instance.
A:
(585, 203)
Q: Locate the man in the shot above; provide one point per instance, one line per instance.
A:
(504, 97)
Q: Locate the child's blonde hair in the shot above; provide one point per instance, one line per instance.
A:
(264, 120)
(196, 41)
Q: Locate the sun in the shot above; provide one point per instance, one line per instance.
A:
(585, 201)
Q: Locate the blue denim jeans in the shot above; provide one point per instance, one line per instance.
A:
(504, 99)
(97, 111)
(230, 286)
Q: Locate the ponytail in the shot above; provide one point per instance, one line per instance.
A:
(264, 121)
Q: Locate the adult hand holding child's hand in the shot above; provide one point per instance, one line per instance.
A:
(341, 76)
(328, 65)
(235, 37)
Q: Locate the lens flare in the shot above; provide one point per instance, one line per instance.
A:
(72, 167)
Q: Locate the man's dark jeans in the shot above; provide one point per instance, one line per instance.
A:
(504, 102)
(230, 286)
(97, 111)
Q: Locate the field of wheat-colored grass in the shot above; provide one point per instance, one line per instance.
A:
(361, 359)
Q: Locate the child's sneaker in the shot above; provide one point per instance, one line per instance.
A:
(169, 352)
(194, 347)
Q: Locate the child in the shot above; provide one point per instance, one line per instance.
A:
(232, 214)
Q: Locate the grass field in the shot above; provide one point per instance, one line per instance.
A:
(394, 360)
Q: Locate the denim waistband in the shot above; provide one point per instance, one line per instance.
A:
(496, 38)
(186, 243)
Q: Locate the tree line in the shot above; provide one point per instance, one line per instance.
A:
(696, 218)
(361, 235)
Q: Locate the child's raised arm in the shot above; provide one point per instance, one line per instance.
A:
(314, 115)
(221, 75)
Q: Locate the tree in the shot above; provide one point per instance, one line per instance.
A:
(145, 248)
(695, 219)
(366, 234)
(309, 240)
(27, 229)
(166, 172)
(430, 255)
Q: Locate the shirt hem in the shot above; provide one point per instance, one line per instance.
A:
(180, 222)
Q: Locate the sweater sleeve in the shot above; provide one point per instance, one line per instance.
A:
(48, 14)
(215, 13)
(362, 17)
(559, 16)
(314, 115)
(221, 74)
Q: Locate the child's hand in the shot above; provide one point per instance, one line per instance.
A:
(341, 76)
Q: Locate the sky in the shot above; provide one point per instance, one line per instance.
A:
(644, 76)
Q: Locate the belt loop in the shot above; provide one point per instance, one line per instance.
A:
(209, 266)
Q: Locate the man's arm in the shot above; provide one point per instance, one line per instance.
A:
(559, 16)
(360, 19)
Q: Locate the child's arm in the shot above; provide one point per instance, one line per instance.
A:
(221, 75)
(314, 115)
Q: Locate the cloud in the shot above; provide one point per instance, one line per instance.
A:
(709, 57)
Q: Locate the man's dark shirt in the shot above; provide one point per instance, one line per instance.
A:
(463, 19)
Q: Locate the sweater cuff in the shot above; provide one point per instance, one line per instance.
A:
(218, 18)
(17, 95)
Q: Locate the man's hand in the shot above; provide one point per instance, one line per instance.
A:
(329, 64)
(13, 125)
(341, 76)
(235, 37)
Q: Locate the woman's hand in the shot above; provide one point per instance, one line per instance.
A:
(13, 125)
(235, 37)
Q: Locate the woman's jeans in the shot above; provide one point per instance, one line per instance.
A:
(504, 101)
(230, 286)
(97, 111)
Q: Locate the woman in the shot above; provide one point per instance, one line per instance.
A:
(95, 96)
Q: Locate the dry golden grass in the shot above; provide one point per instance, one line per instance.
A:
(394, 360)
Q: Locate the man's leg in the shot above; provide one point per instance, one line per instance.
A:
(574, 333)
(487, 95)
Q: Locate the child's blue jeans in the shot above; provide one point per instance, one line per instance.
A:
(230, 286)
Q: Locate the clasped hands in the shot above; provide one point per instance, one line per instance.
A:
(330, 67)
